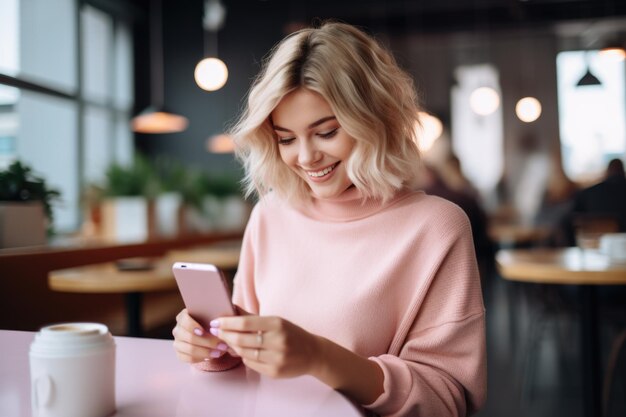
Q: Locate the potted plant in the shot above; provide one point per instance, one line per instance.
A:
(216, 202)
(172, 177)
(127, 208)
(25, 207)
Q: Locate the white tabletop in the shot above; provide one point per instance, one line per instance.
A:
(150, 381)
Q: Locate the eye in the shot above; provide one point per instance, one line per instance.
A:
(285, 141)
(329, 134)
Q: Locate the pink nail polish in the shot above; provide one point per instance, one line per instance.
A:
(214, 323)
(222, 347)
(213, 331)
(216, 353)
(198, 331)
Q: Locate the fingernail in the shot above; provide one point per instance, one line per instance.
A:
(216, 353)
(222, 346)
(214, 323)
(213, 331)
(198, 331)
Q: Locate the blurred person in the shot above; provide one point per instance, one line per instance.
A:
(556, 202)
(451, 173)
(432, 183)
(346, 274)
(605, 200)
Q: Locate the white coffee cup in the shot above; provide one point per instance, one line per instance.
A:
(72, 371)
(613, 245)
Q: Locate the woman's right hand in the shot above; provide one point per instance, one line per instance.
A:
(192, 343)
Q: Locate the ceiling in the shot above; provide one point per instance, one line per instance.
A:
(432, 16)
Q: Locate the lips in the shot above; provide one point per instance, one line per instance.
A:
(323, 172)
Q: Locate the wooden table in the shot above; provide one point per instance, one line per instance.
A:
(108, 278)
(571, 266)
(151, 381)
(510, 235)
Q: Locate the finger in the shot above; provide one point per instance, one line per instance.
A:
(186, 321)
(247, 323)
(197, 353)
(254, 355)
(243, 339)
(182, 334)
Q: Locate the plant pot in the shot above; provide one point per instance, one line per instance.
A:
(233, 215)
(22, 224)
(128, 219)
(167, 211)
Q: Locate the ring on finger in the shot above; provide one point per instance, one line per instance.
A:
(259, 339)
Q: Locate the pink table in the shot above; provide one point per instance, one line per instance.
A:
(150, 381)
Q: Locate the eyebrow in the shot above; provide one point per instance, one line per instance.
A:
(311, 126)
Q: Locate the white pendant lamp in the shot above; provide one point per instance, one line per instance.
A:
(484, 101)
(428, 130)
(528, 109)
(211, 73)
(156, 118)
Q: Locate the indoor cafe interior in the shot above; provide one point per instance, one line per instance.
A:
(116, 161)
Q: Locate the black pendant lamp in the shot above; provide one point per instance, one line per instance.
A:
(156, 118)
(588, 79)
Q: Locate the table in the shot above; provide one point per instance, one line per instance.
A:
(108, 278)
(510, 235)
(150, 381)
(570, 266)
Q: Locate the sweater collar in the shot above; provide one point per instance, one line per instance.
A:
(349, 205)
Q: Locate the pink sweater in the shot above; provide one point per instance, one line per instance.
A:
(396, 283)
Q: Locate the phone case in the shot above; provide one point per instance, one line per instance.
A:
(204, 291)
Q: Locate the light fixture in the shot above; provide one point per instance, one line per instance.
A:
(211, 73)
(588, 79)
(156, 118)
(484, 101)
(220, 144)
(428, 130)
(528, 109)
(613, 51)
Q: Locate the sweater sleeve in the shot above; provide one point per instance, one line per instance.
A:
(441, 366)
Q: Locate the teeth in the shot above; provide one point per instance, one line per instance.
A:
(323, 172)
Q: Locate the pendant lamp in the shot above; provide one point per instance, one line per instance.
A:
(211, 73)
(588, 79)
(156, 118)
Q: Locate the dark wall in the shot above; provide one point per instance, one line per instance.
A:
(246, 37)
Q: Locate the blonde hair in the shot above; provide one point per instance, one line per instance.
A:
(373, 99)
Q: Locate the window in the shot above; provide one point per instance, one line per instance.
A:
(591, 118)
(64, 109)
(477, 138)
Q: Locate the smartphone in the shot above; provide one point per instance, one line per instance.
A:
(204, 290)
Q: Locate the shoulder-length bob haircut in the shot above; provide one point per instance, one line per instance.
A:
(373, 99)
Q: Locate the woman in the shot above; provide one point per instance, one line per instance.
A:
(345, 273)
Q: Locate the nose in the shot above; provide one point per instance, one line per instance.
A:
(308, 154)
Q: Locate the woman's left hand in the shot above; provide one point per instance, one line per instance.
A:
(271, 345)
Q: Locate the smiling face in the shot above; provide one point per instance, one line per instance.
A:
(312, 143)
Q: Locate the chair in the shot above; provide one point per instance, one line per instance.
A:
(614, 386)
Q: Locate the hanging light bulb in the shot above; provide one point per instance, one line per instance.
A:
(528, 109)
(211, 74)
(428, 130)
(484, 101)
